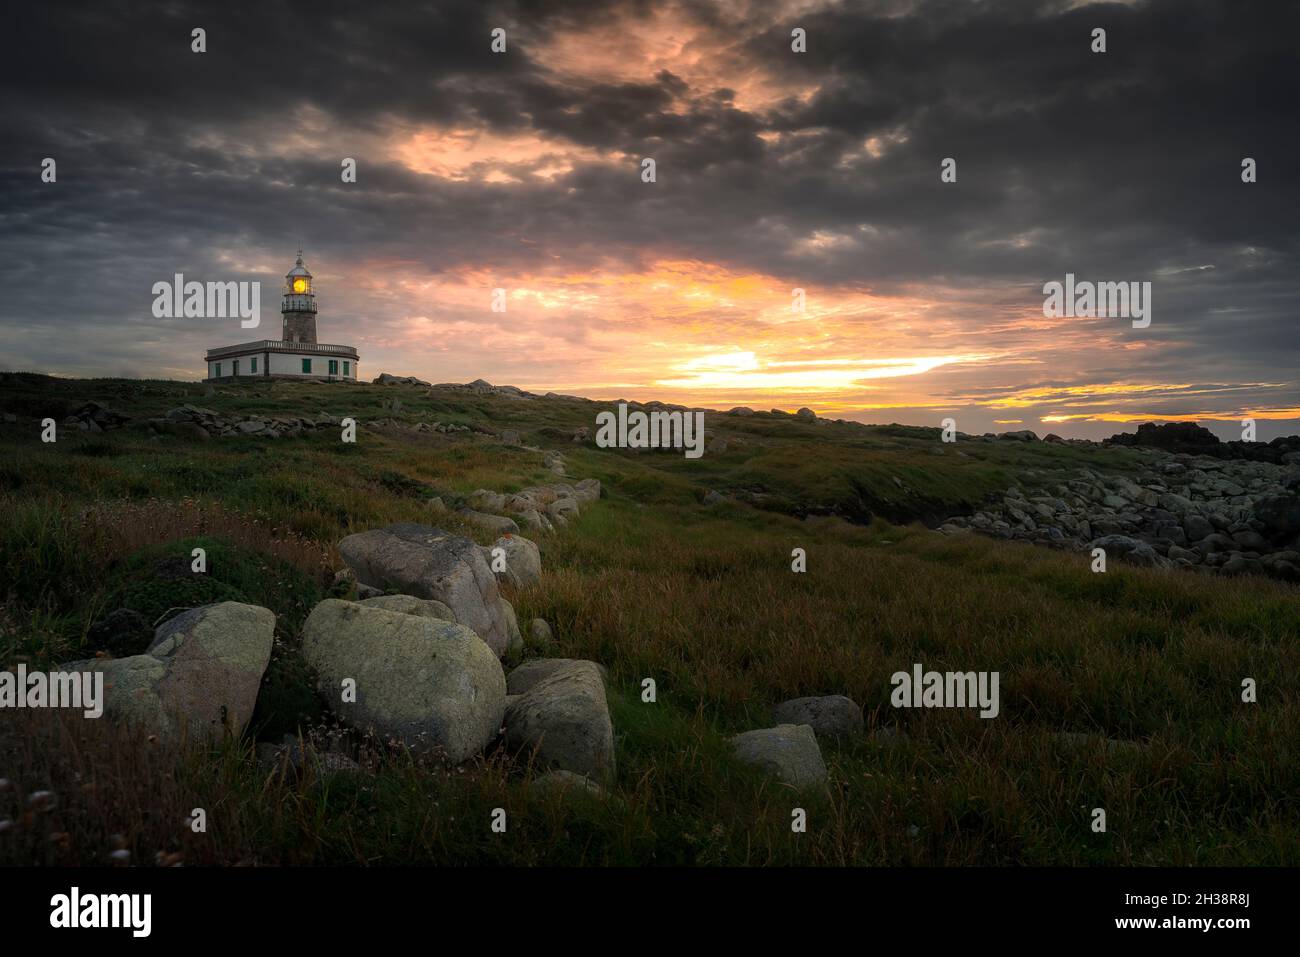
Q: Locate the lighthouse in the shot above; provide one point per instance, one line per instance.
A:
(296, 354)
(299, 305)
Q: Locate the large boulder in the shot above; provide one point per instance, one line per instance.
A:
(427, 562)
(789, 751)
(523, 560)
(199, 677)
(432, 684)
(563, 720)
(523, 678)
(830, 716)
(410, 605)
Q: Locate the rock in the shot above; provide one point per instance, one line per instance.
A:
(588, 490)
(492, 523)
(486, 501)
(568, 785)
(524, 678)
(563, 721)
(432, 684)
(385, 379)
(427, 562)
(1130, 549)
(1178, 553)
(717, 446)
(712, 497)
(200, 675)
(741, 410)
(1250, 540)
(1022, 435)
(1197, 527)
(789, 751)
(514, 640)
(509, 437)
(535, 521)
(540, 632)
(830, 716)
(808, 415)
(523, 560)
(1239, 565)
(181, 429)
(563, 509)
(1172, 436)
(410, 605)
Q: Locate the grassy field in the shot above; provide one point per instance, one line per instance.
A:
(653, 583)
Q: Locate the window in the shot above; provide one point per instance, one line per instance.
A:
(306, 366)
(334, 367)
(347, 368)
(254, 362)
(235, 369)
(217, 375)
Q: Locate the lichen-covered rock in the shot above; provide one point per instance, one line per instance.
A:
(199, 677)
(563, 722)
(432, 684)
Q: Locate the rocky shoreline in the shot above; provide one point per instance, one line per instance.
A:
(1225, 508)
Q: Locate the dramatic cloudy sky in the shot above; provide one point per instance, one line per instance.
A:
(775, 170)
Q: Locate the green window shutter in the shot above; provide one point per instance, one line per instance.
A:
(218, 370)
(306, 366)
(334, 367)
(254, 360)
(347, 368)
(235, 370)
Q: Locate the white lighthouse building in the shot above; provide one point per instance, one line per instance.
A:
(296, 354)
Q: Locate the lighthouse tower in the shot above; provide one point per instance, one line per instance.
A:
(299, 305)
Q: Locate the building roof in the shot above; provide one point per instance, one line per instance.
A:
(274, 345)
